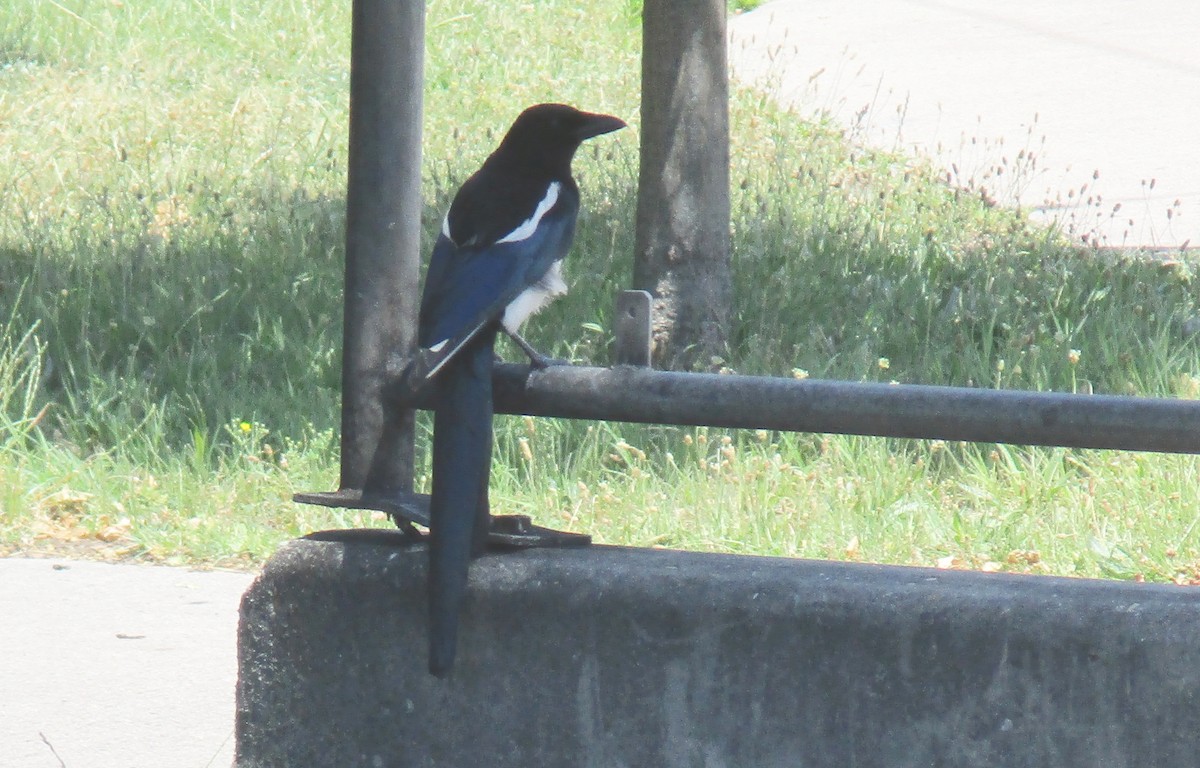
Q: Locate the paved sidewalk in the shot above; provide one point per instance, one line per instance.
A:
(1107, 86)
(121, 666)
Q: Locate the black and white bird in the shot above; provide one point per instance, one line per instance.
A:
(497, 261)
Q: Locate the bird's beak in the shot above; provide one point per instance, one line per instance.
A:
(593, 124)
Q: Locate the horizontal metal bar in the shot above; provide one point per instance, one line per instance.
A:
(838, 407)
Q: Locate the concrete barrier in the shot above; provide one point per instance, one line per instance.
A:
(620, 657)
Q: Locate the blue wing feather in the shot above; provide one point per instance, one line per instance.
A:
(469, 287)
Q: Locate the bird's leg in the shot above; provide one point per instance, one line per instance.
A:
(536, 359)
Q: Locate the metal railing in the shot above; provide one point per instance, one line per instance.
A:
(838, 407)
(381, 298)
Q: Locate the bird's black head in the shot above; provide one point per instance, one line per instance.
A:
(545, 136)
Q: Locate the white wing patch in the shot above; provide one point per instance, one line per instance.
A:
(534, 298)
(530, 225)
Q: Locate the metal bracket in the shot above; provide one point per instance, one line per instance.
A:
(408, 510)
(632, 325)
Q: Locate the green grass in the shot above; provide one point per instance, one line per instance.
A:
(171, 234)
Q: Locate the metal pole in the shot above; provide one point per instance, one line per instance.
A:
(682, 250)
(383, 207)
(755, 402)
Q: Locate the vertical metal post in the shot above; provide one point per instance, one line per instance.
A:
(682, 249)
(383, 207)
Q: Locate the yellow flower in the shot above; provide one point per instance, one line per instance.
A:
(245, 426)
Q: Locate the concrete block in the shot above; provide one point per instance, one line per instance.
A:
(621, 657)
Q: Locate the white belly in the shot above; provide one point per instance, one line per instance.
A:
(534, 298)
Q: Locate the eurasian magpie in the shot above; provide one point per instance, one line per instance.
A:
(497, 261)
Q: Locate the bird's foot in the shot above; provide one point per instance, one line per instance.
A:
(537, 360)
(540, 362)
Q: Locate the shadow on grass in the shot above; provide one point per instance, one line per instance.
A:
(166, 322)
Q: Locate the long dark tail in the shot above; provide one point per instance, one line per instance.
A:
(462, 458)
